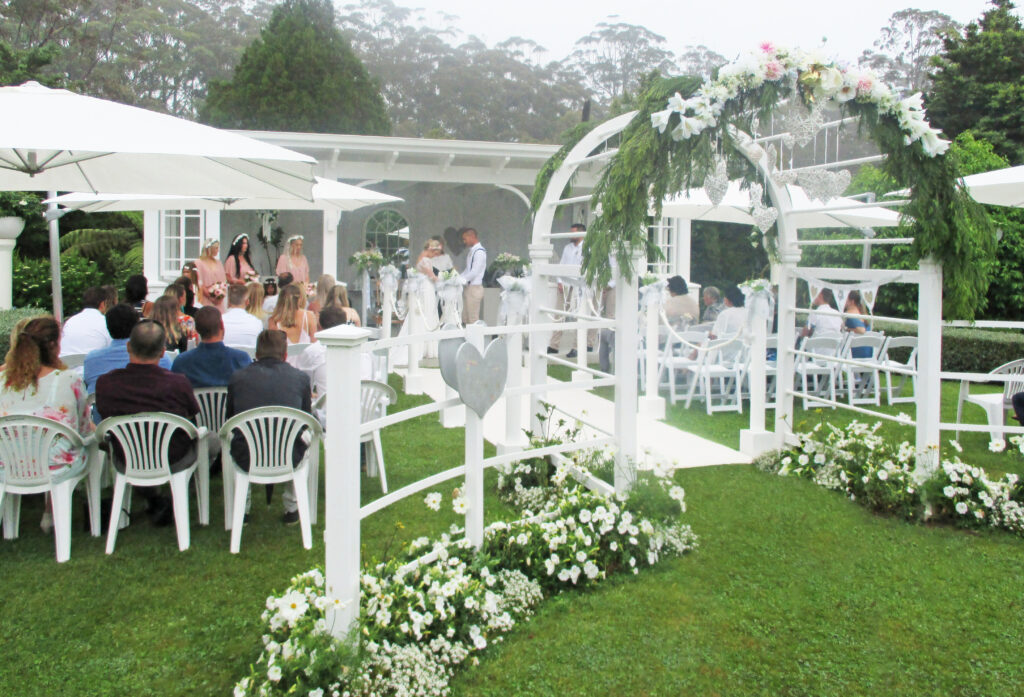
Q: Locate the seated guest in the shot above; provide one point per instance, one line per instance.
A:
(713, 304)
(270, 302)
(87, 331)
(136, 288)
(121, 319)
(240, 327)
(855, 306)
(211, 363)
(143, 386)
(680, 307)
(732, 319)
(313, 361)
(269, 381)
(34, 382)
(254, 300)
(188, 280)
(323, 287)
(337, 296)
(186, 320)
(166, 313)
(825, 320)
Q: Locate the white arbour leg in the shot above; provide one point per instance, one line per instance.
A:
(928, 390)
(626, 296)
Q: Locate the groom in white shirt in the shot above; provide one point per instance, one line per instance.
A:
(476, 264)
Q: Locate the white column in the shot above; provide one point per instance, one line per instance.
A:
(652, 405)
(626, 297)
(756, 440)
(10, 228)
(928, 392)
(341, 477)
(514, 437)
(474, 487)
(681, 250)
(541, 295)
(151, 241)
(784, 355)
(330, 242)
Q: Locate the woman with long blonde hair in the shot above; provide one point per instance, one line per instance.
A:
(254, 301)
(165, 313)
(323, 287)
(294, 261)
(291, 317)
(212, 279)
(338, 297)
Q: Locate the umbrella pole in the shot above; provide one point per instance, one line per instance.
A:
(58, 305)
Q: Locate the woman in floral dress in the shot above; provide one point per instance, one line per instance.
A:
(211, 276)
(294, 261)
(34, 382)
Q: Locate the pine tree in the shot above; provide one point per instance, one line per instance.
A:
(299, 75)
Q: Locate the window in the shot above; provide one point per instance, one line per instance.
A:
(388, 230)
(182, 235)
(663, 235)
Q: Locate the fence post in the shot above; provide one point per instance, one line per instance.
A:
(414, 378)
(782, 272)
(652, 404)
(473, 489)
(928, 392)
(626, 301)
(341, 477)
(756, 440)
(514, 439)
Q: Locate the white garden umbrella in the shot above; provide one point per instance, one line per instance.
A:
(694, 204)
(327, 195)
(1000, 187)
(57, 140)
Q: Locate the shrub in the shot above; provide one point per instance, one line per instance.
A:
(9, 318)
(966, 350)
(32, 282)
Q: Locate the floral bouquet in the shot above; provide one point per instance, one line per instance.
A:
(252, 277)
(310, 290)
(217, 290)
(367, 260)
(507, 264)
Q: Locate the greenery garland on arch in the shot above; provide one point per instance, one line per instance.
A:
(667, 150)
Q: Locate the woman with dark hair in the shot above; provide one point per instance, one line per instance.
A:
(35, 382)
(238, 266)
(136, 288)
(338, 297)
(855, 306)
(188, 305)
(680, 307)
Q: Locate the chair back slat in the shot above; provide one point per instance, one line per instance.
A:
(145, 440)
(1012, 387)
(374, 399)
(25, 446)
(270, 434)
(213, 403)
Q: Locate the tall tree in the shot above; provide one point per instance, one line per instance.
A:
(700, 60)
(614, 58)
(299, 75)
(904, 51)
(977, 82)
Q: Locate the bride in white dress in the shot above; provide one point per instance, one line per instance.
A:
(420, 305)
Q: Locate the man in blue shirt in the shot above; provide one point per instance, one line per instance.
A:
(120, 319)
(211, 363)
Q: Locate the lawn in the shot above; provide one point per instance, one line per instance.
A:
(794, 590)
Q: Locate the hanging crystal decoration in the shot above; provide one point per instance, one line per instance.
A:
(716, 184)
(784, 177)
(756, 192)
(823, 185)
(764, 217)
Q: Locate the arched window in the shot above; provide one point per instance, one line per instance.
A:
(388, 230)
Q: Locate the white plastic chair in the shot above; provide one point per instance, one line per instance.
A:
(820, 372)
(294, 350)
(899, 342)
(858, 381)
(270, 434)
(375, 398)
(213, 402)
(170, 355)
(251, 350)
(994, 404)
(25, 443)
(145, 440)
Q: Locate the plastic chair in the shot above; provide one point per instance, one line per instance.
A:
(899, 342)
(293, 349)
(25, 443)
(270, 434)
(860, 380)
(213, 402)
(73, 360)
(145, 440)
(818, 370)
(375, 398)
(251, 350)
(994, 404)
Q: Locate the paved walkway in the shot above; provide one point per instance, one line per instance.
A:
(658, 441)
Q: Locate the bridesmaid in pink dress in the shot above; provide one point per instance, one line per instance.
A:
(210, 271)
(238, 267)
(294, 261)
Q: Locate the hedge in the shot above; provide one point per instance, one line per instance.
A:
(9, 318)
(966, 350)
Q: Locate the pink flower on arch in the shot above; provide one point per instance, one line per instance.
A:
(767, 47)
(773, 70)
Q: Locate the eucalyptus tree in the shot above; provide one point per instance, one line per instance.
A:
(613, 59)
(903, 53)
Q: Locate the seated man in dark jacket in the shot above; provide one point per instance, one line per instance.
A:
(269, 381)
(143, 386)
(211, 363)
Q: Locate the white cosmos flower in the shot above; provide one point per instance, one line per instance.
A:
(883, 475)
(274, 673)
(904, 418)
(956, 446)
(433, 501)
(997, 445)
(460, 505)
(961, 508)
(318, 692)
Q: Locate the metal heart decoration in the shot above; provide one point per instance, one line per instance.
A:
(773, 157)
(805, 128)
(784, 177)
(823, 185)
(447, 351)
(717, 184)
(481, 379)
(756, 193)
(764, 217)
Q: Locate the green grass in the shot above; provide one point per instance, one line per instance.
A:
(794, 591)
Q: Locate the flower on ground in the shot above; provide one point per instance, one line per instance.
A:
(997, 445)
(961, 508)
(433, 501)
